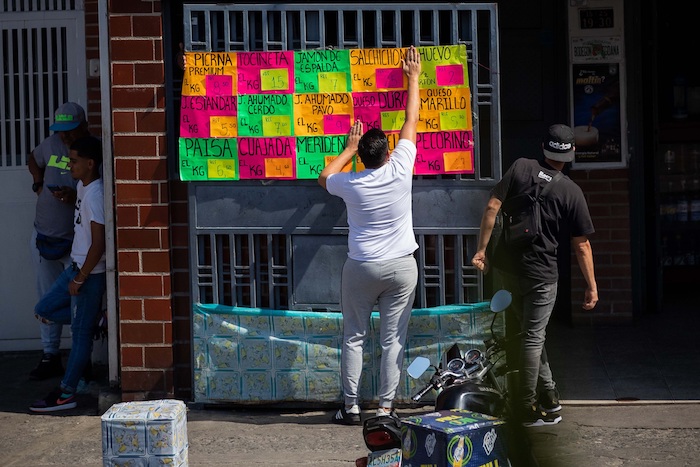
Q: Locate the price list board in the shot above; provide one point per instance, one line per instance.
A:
(285, 114)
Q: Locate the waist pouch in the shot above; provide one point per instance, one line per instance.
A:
(52, 248)
(522, 222)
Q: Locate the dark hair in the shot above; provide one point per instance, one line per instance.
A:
(88, 147)
(373, 148)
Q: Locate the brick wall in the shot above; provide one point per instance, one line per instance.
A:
(142, 200)
(607, 193)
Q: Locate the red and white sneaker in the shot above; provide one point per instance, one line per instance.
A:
(55, 401)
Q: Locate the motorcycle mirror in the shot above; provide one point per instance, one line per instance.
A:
(418, 367)
(501, 300)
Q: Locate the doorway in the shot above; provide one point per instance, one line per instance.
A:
(40, 69)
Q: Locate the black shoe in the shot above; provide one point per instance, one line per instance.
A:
(342, 417)
(549, 401)
(55, 401)
(535, 417)
(49, 367)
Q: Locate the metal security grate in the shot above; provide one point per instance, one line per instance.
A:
(246, 270)
(289, 259)
(254, 270)
(40, 5)
(37, 74)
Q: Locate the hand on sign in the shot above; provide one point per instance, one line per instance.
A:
(411, 64)
(354, 136)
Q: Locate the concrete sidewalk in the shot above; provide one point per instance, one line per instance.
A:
(630, 396)
(604, 433)
(638, 435)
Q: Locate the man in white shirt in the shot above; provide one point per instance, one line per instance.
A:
(76, 296)
(380, 268)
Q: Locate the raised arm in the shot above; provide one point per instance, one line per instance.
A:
(337, 164)
(411, 67)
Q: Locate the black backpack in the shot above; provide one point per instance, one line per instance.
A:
(522, 217)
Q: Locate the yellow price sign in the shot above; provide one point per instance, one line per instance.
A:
(275, 79)
(221, 169)
(332, 82)
(279, 167)
(453, 120)
(458, 161)
(393, 121)
(223, 127)
(277, 125)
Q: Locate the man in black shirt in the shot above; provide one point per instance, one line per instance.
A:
(531, 273)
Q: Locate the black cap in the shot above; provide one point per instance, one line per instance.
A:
(558, 144)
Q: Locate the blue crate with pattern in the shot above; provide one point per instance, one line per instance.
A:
(254, 355)
(145, 434)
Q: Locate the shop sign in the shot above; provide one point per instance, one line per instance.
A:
(597, 49)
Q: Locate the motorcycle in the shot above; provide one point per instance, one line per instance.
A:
(469, 380)
(463, 380)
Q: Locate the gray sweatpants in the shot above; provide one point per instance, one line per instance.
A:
(392, 285)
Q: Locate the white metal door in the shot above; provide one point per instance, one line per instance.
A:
(42, 66)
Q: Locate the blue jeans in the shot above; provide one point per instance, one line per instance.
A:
(81, 312)
(532, 306)
(47, 271)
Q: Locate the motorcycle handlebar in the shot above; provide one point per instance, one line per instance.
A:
(422, 392)
(437, 381)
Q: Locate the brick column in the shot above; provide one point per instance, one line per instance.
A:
(141, 199)
(607, 193)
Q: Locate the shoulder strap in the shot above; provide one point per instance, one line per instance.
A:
(549, 185)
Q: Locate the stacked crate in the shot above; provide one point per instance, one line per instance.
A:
(145, 434)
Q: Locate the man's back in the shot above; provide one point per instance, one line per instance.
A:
(564, 209)
(379, 207)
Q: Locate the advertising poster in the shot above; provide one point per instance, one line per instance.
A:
(596, 109)
(286, 114)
